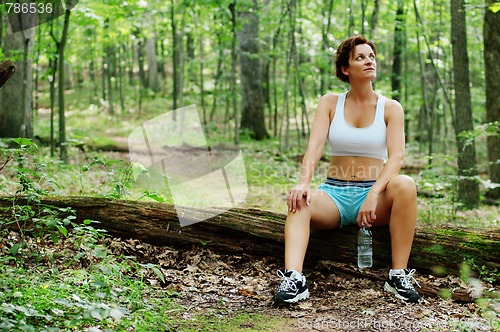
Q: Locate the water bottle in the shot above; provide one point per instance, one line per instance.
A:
(364, 248)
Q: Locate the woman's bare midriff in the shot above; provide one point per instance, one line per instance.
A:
(354, 168)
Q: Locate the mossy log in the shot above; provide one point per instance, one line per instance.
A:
(7, 69)
(256, 232)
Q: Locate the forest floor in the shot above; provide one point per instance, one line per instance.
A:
(227, 293)
(217, 292)
(208, 291)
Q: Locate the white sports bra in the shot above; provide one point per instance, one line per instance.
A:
(346, 140)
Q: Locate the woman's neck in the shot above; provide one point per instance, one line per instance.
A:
(361, 91)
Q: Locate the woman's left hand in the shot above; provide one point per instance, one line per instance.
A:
(366, 215)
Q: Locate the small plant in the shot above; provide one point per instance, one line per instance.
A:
(118, 176)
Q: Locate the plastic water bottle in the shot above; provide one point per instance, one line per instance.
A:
(365, 248)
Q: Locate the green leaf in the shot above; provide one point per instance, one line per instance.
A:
(23, 141)
(495, 8)
(158, 273)
(96, 314)
(155, 196)
(63, 230)
(54, 237)
(15, 249)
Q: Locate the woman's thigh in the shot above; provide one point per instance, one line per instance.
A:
(324, 212)
(397, 187)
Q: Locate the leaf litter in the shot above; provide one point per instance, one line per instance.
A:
(237, 284)
(342, 297)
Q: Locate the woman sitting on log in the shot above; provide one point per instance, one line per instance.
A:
(363, 129)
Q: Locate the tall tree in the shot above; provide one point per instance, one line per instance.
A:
(15, 95)
(61, 48)
(153, 81)
(326, 66)
(252, 100)
(468, 187)
(399, 33)
(177, 53)
(492, 71)
(234, 58)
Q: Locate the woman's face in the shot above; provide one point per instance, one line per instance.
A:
(362, 65)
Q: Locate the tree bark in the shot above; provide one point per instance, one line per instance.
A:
(177, 56)
(15, 95)
(153, 81)
(468, 186)
(63, 152)
(399, 33)
(492, 72)
(325, 68)
(252, 101)
(234, 89)
(256, 232)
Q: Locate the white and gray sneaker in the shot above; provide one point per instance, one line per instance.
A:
(400, 283)
(292, 288)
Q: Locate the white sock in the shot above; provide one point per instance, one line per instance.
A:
(396, 272)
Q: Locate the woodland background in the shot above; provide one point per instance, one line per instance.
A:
(255, 70)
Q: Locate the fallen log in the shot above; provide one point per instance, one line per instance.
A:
(435, 251)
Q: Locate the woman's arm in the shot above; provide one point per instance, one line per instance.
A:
(395, 150)
(315, 146)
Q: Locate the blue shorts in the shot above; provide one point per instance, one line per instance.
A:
(348, 196)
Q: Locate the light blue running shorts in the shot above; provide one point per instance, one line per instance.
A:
(348, 196)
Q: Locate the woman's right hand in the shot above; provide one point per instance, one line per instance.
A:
(296, 194)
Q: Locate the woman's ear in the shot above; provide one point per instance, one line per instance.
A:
(344, 70)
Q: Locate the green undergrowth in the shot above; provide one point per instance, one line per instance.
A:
(108, 296)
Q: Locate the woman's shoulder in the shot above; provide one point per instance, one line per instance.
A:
(392, 105)
(393, 109)
(329, 98)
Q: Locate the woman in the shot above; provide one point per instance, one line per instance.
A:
(363, 128)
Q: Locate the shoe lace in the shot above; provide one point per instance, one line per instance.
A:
(407, 280)
(287, 283)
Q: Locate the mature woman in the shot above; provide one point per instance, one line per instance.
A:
(365, 132)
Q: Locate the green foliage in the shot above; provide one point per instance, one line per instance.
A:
(495, 7)
(83, 285)
(485, 273)
(107, 295)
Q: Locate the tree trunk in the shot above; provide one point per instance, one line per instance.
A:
(218, 74)
(256, 232)
(153, 82)
(252, 101)
(399, 32)
(63, 152)
(200, 36)
(492, 73)
(15, 95)
(468, 187)
(177, 58)
(325, 68)
(109, 78)
(234, 58)
(374, 18)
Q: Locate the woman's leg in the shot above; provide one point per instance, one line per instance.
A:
(397, 205)
(322, 213)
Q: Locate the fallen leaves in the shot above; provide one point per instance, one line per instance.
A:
(342, 297)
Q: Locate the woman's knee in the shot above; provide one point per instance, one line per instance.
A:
(301, 208)
(402, 185)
